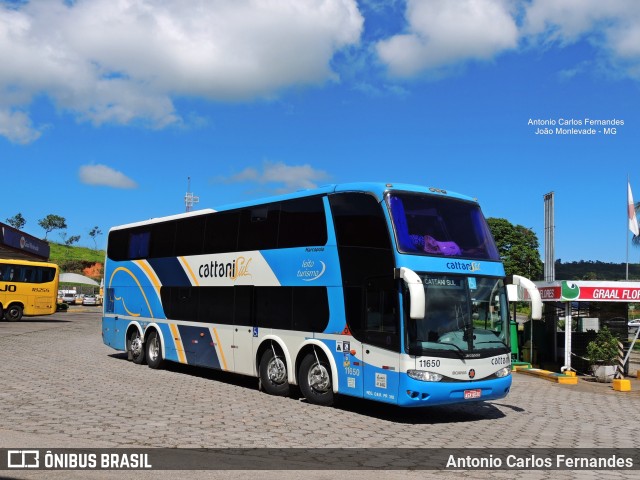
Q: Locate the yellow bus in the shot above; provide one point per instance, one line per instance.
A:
(27, 288)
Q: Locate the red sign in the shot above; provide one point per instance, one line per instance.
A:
(550, 293)
(610, 293)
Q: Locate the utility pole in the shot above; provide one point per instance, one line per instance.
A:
(549, 239)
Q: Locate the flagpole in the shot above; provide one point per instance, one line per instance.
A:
(626, 231)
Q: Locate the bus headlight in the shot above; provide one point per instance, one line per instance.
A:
(503, 372)
(424, 376)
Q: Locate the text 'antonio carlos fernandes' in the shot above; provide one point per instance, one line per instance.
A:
(538, 462)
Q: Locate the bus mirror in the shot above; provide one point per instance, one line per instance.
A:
(532, 291)
(416, 292)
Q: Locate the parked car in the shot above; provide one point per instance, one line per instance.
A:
(69, 297)
(89, 300)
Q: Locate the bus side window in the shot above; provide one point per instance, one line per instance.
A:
(110, 300)
(302, 223)
(138, 245)
(163, 240)
(190, 243)
(221, 232)
(259, 227)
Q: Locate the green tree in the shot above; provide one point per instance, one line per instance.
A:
(95, 231)
(71, 240)
(17, 221)
(518, 248)
(68, 241)
(52, 222)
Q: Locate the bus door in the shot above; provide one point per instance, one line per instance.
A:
(244, 331)
(381, 346)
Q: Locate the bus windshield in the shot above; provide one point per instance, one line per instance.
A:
(462, 315)
(442, 226)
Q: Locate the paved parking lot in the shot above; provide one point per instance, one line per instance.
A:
(61, 387)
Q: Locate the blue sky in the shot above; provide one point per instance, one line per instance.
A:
(106, 107)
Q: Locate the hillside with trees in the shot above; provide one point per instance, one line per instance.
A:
(595, 270)
(82, 260)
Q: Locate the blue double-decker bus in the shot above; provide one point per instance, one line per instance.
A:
(388, 292)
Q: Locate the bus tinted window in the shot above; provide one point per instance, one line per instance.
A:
(190, 236)
(216, 305)
(11, 272)
(163, 238)
(118, 244)
(273, 307)
(308, 319)
(302, 223)
(221, 233)
(286, 308)
(359, 221)
(48, 274)
(259, 227)
(138, 245)
(243, 305)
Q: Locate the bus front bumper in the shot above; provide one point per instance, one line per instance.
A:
(415, 393)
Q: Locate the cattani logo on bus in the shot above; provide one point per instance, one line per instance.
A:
(227, 270)
(464, 266)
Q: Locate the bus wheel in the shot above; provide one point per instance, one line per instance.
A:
(135, 347)
(154, 350)
(273, 374)
(13, 313)
(315, 380)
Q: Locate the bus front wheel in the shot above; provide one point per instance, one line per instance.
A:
(13, 313)
(135, 347)
(154, 350)
(315, 380)
(273, 374)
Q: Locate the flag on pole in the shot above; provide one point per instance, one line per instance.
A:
(631, 212)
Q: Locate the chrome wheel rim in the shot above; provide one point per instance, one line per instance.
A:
(276, 371)
(136, 346)
(319, 378)
(154, 349)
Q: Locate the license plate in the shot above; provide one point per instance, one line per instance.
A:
(476, 393)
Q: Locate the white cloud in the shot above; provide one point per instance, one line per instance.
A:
(105, 176)
(16, 127)
(288, 177)
(443, 32)
(613, 26)
(121, 61)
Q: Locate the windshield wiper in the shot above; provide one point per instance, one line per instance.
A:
(468, 335)
(454, 345)
(495, 341)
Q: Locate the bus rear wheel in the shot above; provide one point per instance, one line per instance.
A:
(314, 378)
(135, 347)
(13, 313)
(273, 374)
(154, 350)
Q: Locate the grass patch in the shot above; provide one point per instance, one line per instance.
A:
(61, 254)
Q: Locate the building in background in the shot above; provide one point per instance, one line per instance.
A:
(16, 244)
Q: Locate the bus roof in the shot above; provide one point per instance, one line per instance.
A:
(20, 261)
(376, 188)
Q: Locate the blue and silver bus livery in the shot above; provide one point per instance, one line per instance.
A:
(393, 293)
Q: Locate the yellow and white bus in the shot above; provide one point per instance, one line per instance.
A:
(27, 288)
